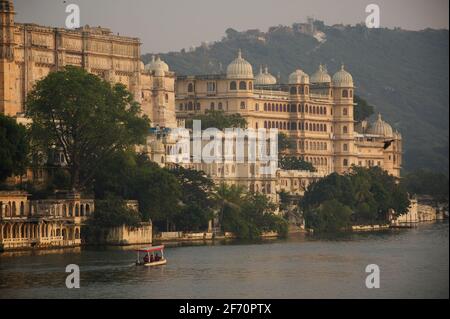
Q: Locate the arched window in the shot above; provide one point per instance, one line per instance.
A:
(212, 106)
(345, 129)
(220, 106)
(351, 93)
(242, 85)
(345, 162)
(242, 105)
(233, 86)
(344, 93)
(345, 111)
(293, 90)
(306, 90)
(190, 87)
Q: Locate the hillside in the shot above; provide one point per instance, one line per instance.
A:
(403, 73)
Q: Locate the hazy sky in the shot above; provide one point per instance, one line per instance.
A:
(167, 25)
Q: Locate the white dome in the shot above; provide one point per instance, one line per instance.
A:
(321, 75)
(342, 78)
(298, 77)
(150, 66)
(157, 65)
(380, 127)
(240, 68)
(265, 78)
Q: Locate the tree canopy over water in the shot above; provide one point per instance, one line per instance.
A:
(367, 193)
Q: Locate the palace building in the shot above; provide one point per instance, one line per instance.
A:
(316, 112)
(28, 52)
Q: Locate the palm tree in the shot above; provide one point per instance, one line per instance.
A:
(228, 197)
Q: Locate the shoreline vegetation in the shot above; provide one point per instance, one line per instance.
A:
(103, 162)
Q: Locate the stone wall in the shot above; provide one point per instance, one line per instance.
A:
(125, 235)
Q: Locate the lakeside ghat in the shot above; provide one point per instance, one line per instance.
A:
(414, 263)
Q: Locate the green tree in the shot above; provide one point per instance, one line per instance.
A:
(218, 119)
(425, 182)
(113, 212)
(109, 213)
(197, 199)
(330, 216)
(228, 198)
(13, 148)
(285, 143)
(293, 163)
(368, 193)
(130, 175)
(85, 117)
(248, 215)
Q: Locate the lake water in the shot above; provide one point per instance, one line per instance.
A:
(414, 263)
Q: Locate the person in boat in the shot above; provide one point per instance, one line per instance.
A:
(152, 258)
(157, 257)
(146, 258)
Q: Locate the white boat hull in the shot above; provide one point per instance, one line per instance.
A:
(153, 264)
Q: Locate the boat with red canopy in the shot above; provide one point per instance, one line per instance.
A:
(153, 256)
